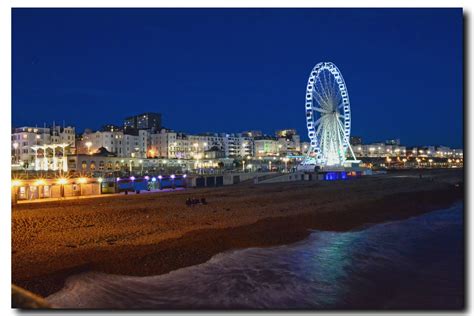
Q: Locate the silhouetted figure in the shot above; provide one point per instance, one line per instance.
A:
(189, 202)
(203, 201)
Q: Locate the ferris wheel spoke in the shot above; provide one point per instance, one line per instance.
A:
(332, 91)
(321, 101)
(321, 110)
(323, 88)
(341, 128)
(318, 130)
(337, 97)
(318, 122)
(327, 86)
(333, 85)
(326, 81)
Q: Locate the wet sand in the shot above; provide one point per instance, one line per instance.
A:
(150, 234)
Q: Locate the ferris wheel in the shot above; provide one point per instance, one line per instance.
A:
(328, 117)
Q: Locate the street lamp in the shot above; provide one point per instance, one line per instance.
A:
(88, 145)
(172, 181)
(81, 181)
(286, 163)
(100, 180)
(15, 147)
(243, 165)
(62, 182)
(141, 164)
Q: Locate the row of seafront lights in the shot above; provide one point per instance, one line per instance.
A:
(60, 181)
(153, 179)
(82, 180)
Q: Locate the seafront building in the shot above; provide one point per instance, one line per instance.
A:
(142, 144)
(42, 148)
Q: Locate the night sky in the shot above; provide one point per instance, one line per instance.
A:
(238, 69)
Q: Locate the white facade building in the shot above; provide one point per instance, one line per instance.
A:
(379, 150)
(266, 146)
(124, 145)
(41, 147)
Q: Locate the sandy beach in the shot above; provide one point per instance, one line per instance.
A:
(150, 234)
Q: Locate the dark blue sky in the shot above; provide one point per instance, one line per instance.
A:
(238, 69)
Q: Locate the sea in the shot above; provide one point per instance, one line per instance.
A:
(411, 264)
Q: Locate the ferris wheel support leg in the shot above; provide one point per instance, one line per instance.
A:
(341, 156)
(348, 143)
(352, 152)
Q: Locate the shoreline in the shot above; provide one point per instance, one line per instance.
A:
(199, 245)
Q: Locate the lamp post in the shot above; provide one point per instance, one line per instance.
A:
(81, 181)
(15, 147)
(286, 163)
(15, 188)
(88, 145)
(243, 165)
(153, 180)
(62, 182)
(100, 180)
(141, 166)
(172, 181)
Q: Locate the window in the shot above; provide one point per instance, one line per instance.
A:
(84, 165)
(92, 167)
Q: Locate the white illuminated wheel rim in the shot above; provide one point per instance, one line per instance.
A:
(328, 116)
